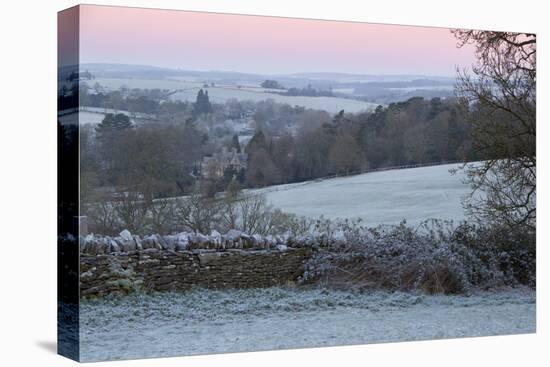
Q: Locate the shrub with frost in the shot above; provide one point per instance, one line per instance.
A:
(435, 257)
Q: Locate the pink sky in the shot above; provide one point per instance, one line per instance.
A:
(270, 45)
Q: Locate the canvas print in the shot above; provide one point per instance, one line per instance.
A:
(235, 183)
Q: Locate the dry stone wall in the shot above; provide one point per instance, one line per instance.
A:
(114, 266)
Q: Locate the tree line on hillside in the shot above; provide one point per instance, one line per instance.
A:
(271, 84)
(412, 132)
(308, 91)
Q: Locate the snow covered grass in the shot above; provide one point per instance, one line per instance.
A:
(386, 197)
(209, 321)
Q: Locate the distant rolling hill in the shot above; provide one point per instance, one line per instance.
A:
(186, 90)
(362, 89)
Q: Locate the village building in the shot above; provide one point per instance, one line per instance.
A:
(219, 162)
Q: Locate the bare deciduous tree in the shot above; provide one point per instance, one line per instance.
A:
(132, 211)
(161, 213)
(501, 97)
(103, 217)
(197, 212)
(253, 212)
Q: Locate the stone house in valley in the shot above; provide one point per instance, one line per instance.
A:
(219, 162)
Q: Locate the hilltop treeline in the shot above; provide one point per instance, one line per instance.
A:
(309, 91)
(412, 132)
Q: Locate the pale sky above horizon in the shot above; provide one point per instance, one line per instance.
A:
(265, 45)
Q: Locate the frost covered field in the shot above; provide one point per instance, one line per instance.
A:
(386, 197)
(208, 321)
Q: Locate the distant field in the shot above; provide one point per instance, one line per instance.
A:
(187, 91)
(384, 197)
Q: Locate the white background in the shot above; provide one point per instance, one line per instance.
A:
(28, 182)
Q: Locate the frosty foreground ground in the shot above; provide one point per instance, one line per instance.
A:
(203, 321)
